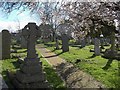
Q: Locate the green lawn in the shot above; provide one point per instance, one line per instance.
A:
(91, 64)
(13, 65)
(51, 74)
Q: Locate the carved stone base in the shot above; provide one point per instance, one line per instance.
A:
(30, 75)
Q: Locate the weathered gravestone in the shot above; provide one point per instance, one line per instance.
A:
(31, 74)
(97, 46)
(65, 32)
(65, 43)
(0, 46)
(6, 41)
(18, 37)
(83, 42)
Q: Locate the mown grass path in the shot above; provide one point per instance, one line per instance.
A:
(73, 77)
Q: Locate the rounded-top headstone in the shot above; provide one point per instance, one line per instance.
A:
(6, 41)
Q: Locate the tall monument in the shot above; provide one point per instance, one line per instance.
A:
(31, 74)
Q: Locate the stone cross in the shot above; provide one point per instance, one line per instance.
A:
(31, 33)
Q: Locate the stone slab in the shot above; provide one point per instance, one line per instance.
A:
(6, 41)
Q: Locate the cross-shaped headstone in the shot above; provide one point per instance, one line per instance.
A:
(31, 33)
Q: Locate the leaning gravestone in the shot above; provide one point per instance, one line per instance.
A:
(31, 74)
(97, 46)
(6, 41)
(0, 46)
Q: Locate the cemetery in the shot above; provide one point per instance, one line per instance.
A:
(60, 45)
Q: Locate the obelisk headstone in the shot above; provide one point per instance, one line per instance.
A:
(6, 41)
(31, 74)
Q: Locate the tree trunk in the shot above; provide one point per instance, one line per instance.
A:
(57, 44)
(113, 41)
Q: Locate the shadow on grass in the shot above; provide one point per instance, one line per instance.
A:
(65, 69)
(18, 47)
(54, 55)
(93, 56)
(49, 45)
(76, 46)
(53, 78)
(16, 64)
(108, 64)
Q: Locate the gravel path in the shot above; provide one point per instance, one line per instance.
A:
(73, 77)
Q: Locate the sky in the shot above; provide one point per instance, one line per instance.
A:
(17, 20)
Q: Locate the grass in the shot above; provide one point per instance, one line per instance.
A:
(91, 64)
(51, 74)
(13, 65)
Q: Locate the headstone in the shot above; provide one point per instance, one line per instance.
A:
(18, 37)
(97, 46)
(65, 31)
(88, 39)
(31, 74)
(83, 42)
(23, 42)
(6, 41)
(65, 43)
(0, 46)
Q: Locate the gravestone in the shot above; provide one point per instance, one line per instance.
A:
(6, 41)
(31, 74)
(97, 46)
(65, 31)
(18, 37)
(83, 42)
(0, 46)
(88, 40)
(65, 43)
